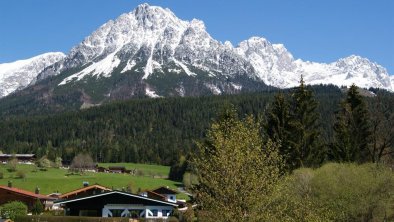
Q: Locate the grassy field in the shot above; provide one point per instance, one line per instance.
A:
(144, 169)
(61, 180)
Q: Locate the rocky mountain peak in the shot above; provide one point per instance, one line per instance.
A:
(19, 74)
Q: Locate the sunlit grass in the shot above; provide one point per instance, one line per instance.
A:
(61, 180)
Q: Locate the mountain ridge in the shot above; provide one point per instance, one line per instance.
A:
(150, 45)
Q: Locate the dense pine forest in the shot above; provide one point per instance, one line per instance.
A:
(160, 130)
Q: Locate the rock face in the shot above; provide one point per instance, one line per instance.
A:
(19, 74)
(151, 52)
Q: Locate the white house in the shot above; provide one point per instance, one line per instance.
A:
(169, 194)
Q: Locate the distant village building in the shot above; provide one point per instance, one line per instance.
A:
(9, 193)
(168, 193)
(117, 204)
(116, 169)
(22, 158)
(101, 169)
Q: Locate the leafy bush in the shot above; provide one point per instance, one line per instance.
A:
(58, 162)
(12, 165)
(20, 174)
(69, 219)
(173, 219)
(13, 209)
(44, 163)
(53, 213)
(337, 192)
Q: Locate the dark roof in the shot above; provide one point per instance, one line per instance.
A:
(164, 190)
(26, 193)
(116, 197)
(154, 195)
(83, 189)
(116, 168)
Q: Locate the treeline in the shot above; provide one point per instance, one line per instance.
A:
(280, 168)
(360, 134)
(154, 130)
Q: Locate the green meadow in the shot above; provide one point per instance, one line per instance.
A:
(143, 169)
(61, 180)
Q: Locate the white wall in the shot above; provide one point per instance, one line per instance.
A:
(147, 210)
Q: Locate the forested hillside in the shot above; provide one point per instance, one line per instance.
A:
(149, 130)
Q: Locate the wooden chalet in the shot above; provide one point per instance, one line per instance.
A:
(9, 193)
(101, 169)
(117, 204)
(168, 193)
(85, 191)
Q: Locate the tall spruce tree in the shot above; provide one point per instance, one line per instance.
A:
(352, 130)
(295, 125)
(237, 171)
(305, 143)
(277, 124)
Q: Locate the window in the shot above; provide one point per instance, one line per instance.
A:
(154, 213)
(166, 213)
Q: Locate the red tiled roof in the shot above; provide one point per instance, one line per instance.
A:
(83, 190)
(26, 193)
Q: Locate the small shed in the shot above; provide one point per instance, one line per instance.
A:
(116, 169)
(101, 169)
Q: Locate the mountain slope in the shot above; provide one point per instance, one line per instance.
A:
(19, 74)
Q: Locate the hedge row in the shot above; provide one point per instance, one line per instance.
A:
(69, 219)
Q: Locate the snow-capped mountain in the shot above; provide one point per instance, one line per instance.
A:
(277, 67)
(155, 40)
(21, 73)
(346, 71)
(392, 81)
(151, 52)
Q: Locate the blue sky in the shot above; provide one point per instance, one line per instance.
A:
(320, 31)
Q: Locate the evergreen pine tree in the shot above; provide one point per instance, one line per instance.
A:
(352, 131)
(305, 147)
(277, 124)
